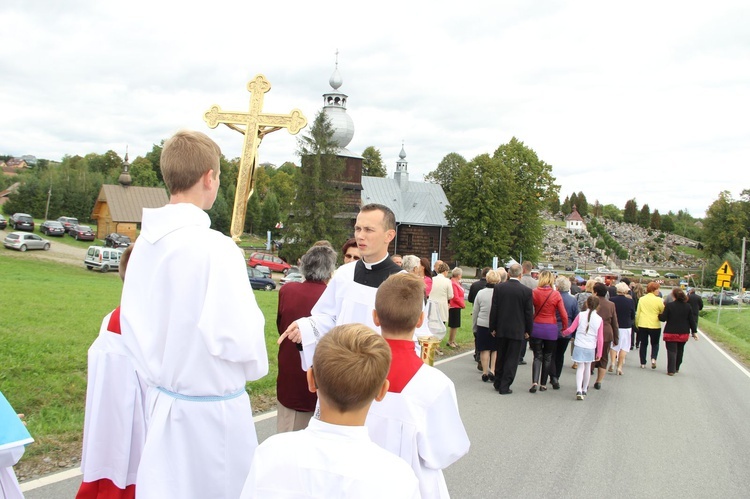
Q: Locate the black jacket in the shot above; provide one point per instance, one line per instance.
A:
(512, 311)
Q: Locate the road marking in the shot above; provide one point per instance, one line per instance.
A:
(72, 473)
(729, 357)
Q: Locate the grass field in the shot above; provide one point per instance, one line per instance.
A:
(51, 313)
(733, 330)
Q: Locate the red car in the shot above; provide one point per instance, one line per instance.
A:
(82, 232)
(274, 263)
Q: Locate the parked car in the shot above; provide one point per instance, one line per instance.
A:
(649, 273)
(115, 240)
(82, 232)
(550, 266)
(68, 222)
(602, 270)
(104, 259)
(265, 270)
(671, 275)
(22, 242)
(21, 221)
(626, 273)
(52, 228)
(724, 297)
(292, 277)
(579, 272)
(3, 222)
(271, 261)
(568, 269)
(259, 281)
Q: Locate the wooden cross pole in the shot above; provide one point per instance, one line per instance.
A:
(257, 126)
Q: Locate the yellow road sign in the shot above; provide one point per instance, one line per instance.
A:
(725, 270)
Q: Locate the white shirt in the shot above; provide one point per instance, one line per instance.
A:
(327, 461)
(423, 427)
(441, 294)
(192, 326)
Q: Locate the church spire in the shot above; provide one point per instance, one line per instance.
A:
(401, 175)
(334, 105)
(125, 179)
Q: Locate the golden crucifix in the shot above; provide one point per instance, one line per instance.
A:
(257, 126)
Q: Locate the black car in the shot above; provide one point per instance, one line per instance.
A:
(3, 222)
(115, 240)
(52, 228)
(22, 221)
(82, 232)
(259, 281)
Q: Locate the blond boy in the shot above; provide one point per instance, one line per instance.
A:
(418, 419)
(334, 457)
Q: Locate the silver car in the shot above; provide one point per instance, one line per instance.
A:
(23, 241)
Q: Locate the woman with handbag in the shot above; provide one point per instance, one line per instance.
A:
(547, 304)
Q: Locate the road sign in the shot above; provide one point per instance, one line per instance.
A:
(724, 275)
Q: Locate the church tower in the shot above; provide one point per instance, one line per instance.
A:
(402, 173)
(334, 106)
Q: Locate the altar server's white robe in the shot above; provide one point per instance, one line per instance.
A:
(13, 440)
(348, 298)
(193, 328)
(114, 428)
(422, 425)
(327, 461)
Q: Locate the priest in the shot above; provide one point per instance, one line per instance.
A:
(350, 295)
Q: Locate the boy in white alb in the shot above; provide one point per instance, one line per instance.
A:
(333, 457)
(114, 428)
(418, 419)
(195, 333)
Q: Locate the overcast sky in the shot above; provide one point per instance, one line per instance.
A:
(644, 99)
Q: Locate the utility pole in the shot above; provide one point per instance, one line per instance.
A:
(49, 195)
(741, 286)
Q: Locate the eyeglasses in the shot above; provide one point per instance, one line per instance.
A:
(349, 257)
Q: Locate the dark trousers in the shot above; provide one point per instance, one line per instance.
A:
(559, 358)
(523, 349)
(644, 334)
(508, 353)
(675, 349)
(543, 352)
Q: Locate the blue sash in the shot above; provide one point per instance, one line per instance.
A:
(13, 433)
(209, 398)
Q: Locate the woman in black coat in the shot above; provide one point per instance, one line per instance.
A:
(678, 315)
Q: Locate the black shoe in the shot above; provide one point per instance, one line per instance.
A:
(533, 388)
(522, 362)
(506, 393)
(485, 378)
(555, 385)
(598, 386)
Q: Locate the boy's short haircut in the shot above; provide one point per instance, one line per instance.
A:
(399, 302)
(185, 157)
(350, 364)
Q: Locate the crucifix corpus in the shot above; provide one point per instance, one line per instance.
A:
(257, 126)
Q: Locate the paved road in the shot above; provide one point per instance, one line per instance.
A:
(643, 434)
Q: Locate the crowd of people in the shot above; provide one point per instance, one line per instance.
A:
(606, 318)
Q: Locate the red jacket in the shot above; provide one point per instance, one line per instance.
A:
(458, 295)
(544, 312)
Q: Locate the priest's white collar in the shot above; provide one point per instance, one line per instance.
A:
(369, 265)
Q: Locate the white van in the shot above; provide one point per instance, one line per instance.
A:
(649, 273)
(102, 258)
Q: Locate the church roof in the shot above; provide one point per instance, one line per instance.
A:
(574, 216)
(421, 203)
(126, 203)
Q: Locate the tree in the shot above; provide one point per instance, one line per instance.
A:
(656, 220)
(269, 213)
(667, 223)
(533, 185)
(630, 214)
(566, 207)
(612, 212)
(583, 205)
(725, 225)
(644, 217)
(446, 172)
(154, 156)
(284, 187)
(142, 173)
(574, 202)
(482, 211)
(554, 205)
(372, 163)
(252, 215)
(317, 206)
